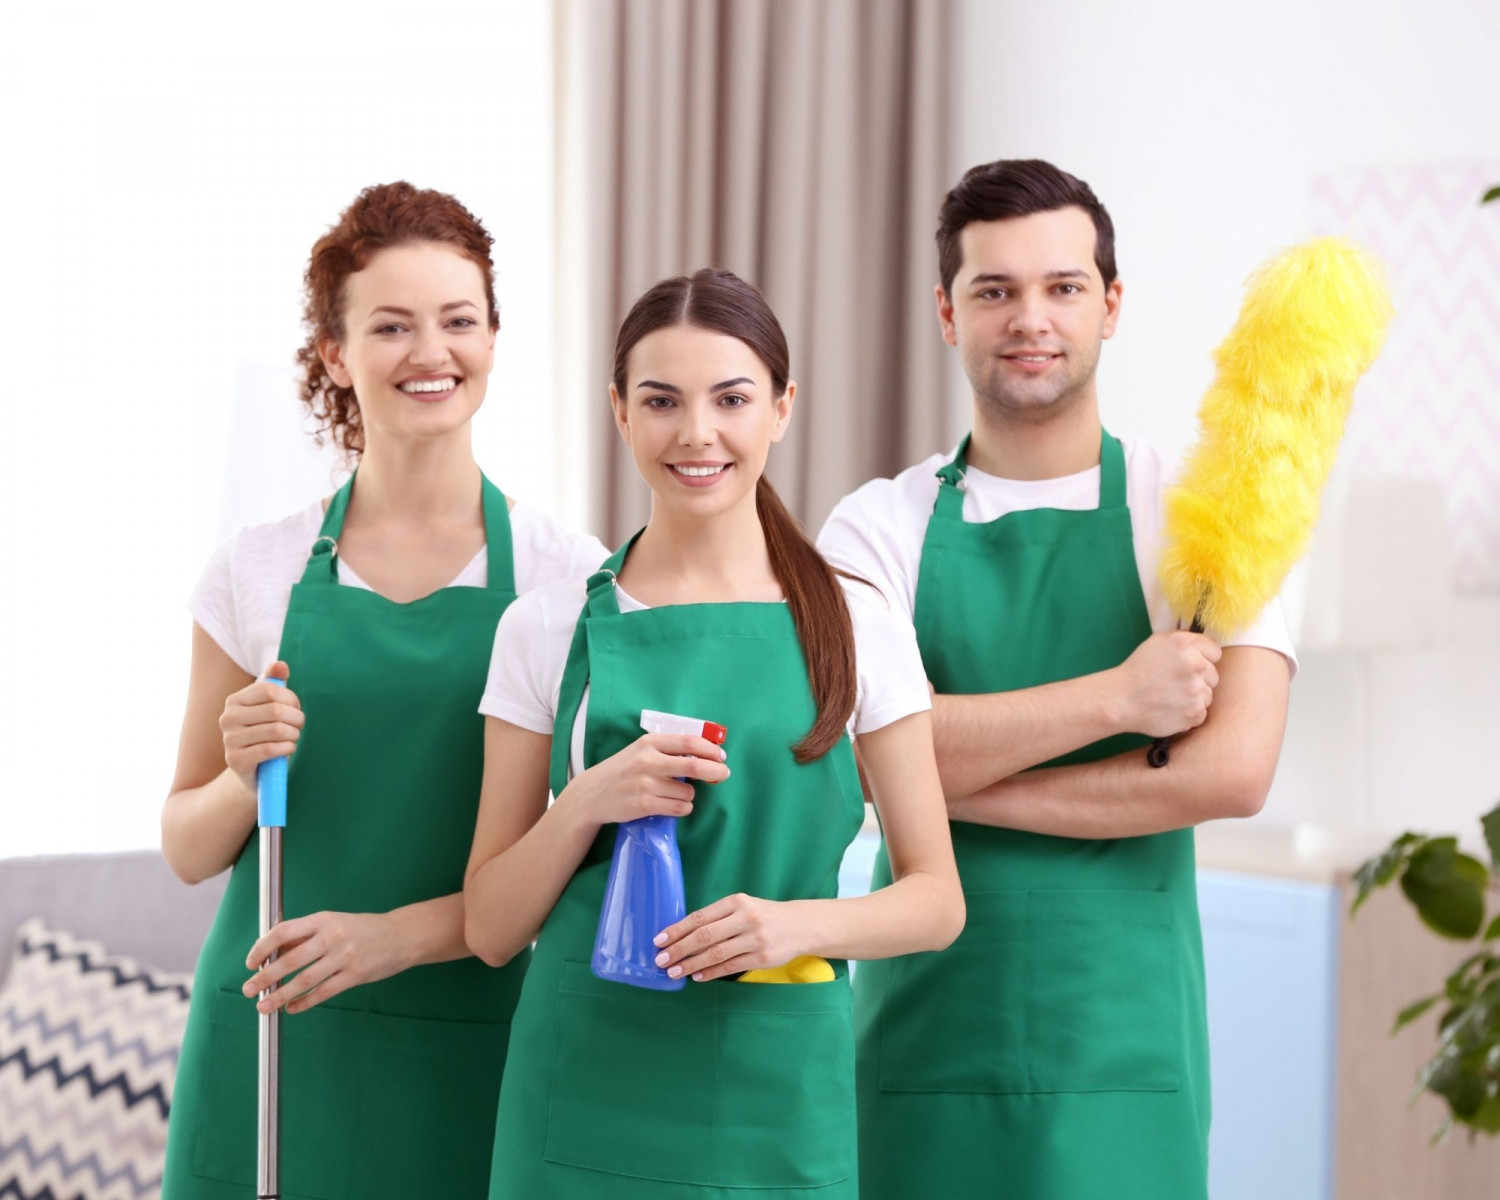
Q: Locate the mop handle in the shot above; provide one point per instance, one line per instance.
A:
(270, 802)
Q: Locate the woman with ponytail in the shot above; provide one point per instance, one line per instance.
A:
(720, 610)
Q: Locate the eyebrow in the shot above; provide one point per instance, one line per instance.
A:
(718, 387)
(1069, 273)
(406, 312)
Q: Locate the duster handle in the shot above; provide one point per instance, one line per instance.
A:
(1160, 751)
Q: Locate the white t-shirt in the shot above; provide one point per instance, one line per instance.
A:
(877, 531)
(536, 632)
(242, 598)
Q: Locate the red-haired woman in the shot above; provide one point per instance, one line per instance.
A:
(720, 610)
(378, 607)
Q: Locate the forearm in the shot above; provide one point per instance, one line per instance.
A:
(204, 829)
(917, 912)
(1113, 798)
(980, 739)
(507, 898)
(1223, 768)
(431, 931)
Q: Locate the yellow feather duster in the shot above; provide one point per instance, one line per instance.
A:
(1312, 322)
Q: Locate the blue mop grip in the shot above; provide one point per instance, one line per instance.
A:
(270, 786)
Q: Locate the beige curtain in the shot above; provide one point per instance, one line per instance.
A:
(803, 144)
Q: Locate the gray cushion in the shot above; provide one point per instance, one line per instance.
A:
(130, 901)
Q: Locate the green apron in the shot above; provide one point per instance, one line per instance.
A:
(1058, 1050)
(389, 1089)
(621, 1093)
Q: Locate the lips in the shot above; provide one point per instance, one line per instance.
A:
(699, 474)
(429, 388)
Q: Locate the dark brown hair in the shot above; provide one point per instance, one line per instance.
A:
(383, 215)
(1017, 187)
(722, 302)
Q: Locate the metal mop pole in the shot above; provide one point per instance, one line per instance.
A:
(270, 781)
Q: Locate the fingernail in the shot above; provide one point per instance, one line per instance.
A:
(727, 772)
(723, 754)
(674, 972)
(697, 976)
(661, 959)
(659, 940)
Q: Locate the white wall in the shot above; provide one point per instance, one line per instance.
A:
(1202, 128)
(168, 167)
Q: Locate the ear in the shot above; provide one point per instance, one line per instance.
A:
(783, 407)
(1112, 296)
(490, 365)
(622, 415)
(332, 355)
(945, 315)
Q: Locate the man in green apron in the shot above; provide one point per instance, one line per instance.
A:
(1059, 1049)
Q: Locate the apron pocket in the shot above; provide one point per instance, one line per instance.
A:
(320, 1053)
(427, 1096)
(1104, 992)
(786, 1109)
(719, 1085)
(954, 1020)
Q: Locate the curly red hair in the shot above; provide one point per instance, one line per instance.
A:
(384, 214)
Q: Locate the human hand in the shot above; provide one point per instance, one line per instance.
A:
(1167, 683)
(644, 779)
(260, 722)
(737, 933)
(331, 953)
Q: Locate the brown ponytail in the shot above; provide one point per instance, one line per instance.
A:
(821, 614)
(722, 302)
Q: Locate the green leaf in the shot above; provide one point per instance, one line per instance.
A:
(1412, 1011)
(1447, 887)
(1491, 820)
(1381, 869)
(1493, 931)
(1462, 1089)
(1492, 194)
(1486, 1118)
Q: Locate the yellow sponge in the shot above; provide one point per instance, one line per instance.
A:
(809, 968)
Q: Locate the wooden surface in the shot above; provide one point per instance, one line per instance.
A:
(1390, 959)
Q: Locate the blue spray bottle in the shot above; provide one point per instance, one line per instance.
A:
(644, 893)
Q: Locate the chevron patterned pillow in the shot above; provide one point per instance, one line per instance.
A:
(88, 1049)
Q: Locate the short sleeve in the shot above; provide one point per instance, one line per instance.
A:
(892, 680)
(529, 656)
(547, 552)
(865, 535)
(212, 605)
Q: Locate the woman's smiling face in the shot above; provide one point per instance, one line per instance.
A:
(700, 415)
(417, 346)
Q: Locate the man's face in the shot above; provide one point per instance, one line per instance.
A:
(1028, 312)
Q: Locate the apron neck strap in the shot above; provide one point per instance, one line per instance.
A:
(602, 601)
(322, 562)
(952, 477)
(497, 539)
(951, 484)
(1111, 472)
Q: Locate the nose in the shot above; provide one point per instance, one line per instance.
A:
(1029, 317)
(697, 427)
(429, 349)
